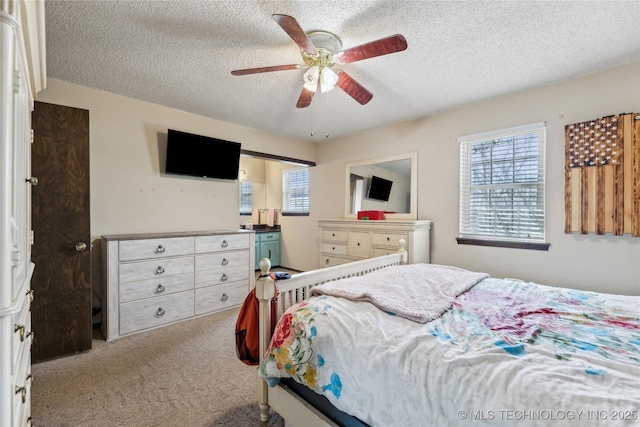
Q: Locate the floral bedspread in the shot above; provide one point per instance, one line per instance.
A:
(506, 353)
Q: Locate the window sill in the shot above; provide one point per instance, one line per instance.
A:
(503, 244)
(295, 213)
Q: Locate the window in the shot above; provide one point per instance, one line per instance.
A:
(502, 188)
(246, 198)
(295, 191)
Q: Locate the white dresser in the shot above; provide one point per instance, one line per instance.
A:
(22, 76)
(152, 280)
(345, 240)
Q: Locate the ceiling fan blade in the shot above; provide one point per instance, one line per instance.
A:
(295, 31)
(266, 69)
(353, 88)
(385, 46)
(305, 98)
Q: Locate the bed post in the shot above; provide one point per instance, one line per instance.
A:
(403, 251)
(265, 289)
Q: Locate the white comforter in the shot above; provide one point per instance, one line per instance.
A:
(506, 353)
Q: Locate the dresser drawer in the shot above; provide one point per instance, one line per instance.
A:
(329, 261)
(383, 251)
(131, 291)
(130, 250)
(223, 260)
(160, 268)
(338, 235)
(22, 381)
(152, 312)
(267, 237)
(225, 275)
(22, 334)
(358, 244)
(389, 239)
(222, 242)
(214, 298)
(334, 248)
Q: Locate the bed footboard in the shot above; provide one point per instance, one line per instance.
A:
(295, 290)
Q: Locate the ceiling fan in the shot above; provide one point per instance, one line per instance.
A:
(321, 51)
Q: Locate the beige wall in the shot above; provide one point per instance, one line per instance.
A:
(129, 192)
(130, 195)
(603, 263)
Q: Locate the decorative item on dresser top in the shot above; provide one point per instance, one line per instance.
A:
(346, 240)
(152, 280)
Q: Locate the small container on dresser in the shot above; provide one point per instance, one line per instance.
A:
(158, 279)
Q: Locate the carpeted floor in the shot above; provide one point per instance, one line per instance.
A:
(185, 374)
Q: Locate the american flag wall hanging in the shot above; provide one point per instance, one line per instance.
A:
(602, 176)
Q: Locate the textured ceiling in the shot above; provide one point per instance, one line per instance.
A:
(180, 54)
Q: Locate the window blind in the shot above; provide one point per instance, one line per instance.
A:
(246, 198)
(502, 184)
(295, 190)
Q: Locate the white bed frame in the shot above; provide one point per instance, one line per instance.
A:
(290, 406)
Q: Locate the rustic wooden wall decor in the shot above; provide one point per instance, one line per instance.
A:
(602, 176)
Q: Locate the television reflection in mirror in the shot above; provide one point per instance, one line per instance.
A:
(201, 156)
(379, 188)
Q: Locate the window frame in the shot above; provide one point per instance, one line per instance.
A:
(467, 229)
(287, 208)
(243, 196)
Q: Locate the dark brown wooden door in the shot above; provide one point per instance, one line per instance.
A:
(61, 310)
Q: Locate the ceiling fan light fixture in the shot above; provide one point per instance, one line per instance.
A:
(311, 77)
(328, 79)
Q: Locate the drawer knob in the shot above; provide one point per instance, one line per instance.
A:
(160, 289)
(160, 312)
(224, 277)
(31, 335)
(20, 329)
(22, 391)
(224, 297)
(224, 261)
(159, 270)
(388, 239)
(160, 249)
(224, 244)
(326, 261)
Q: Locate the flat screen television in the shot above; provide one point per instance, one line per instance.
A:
(379, 188)
(202, 156)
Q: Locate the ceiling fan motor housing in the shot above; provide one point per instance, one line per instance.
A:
(325, 40)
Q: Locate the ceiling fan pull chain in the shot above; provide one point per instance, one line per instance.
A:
(311, 111)
(327, 115)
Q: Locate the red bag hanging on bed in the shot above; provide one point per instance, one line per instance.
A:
(248, 327)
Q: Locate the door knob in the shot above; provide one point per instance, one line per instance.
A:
(80, 246)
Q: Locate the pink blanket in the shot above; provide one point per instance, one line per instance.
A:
(418, 292)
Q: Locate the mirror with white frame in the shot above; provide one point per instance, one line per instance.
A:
(398, 178)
